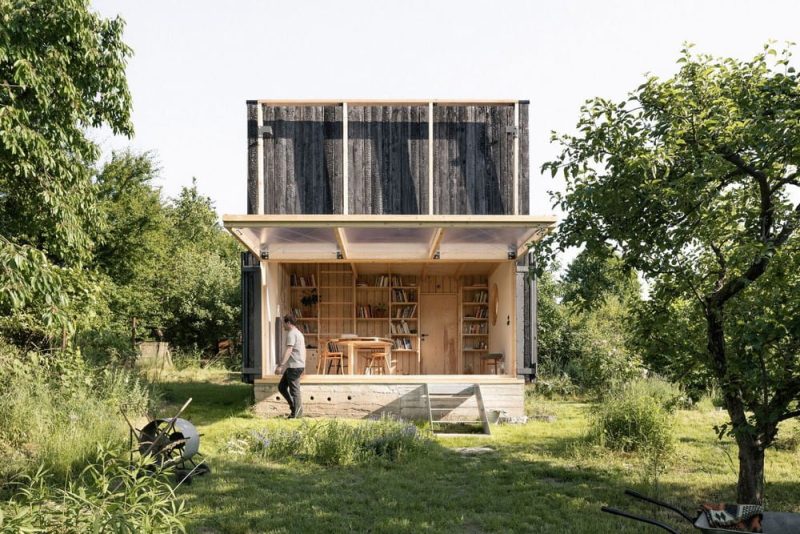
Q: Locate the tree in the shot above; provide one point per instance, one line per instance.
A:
(689, 181)
(200, 285)
(62, 69)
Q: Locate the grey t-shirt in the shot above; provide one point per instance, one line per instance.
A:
(296, 340)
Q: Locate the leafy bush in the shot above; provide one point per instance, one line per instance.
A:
(334, 442)
(54, 410)
(632, 419)
(107, 496)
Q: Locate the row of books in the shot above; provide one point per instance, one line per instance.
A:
(401, 295)
(403, 343)
(480, 313)
(480, 296)
(297, 280)
(475, 328)
(405, 312)
(367, 312)
(400, 328)
(397, 281)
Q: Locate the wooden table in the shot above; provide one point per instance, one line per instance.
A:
(354, 344)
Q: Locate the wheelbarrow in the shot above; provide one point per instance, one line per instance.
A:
(772, 523)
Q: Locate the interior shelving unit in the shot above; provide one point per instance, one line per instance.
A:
(331, 299)
(474, 322)
(404, 322)
(374, 305)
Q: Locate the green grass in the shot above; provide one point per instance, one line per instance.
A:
(541, 477)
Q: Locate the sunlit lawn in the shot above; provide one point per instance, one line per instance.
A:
(541, 477)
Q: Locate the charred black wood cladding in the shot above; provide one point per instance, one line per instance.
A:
(387, 154)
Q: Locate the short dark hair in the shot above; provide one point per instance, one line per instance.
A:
(289, 319)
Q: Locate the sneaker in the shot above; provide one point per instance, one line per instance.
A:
(299, 413)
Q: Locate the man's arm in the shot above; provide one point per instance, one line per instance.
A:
(290, 341)
(286, 354)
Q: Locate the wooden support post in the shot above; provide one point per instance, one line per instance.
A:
(430, 158)
(345, 163)
(267, 365)
(259, 160)
(516, 158)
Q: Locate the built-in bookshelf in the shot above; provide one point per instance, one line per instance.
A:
(329, 300)
(474, 322)
(404, 321)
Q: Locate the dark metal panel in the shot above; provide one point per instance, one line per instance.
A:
(526, 324)
(251, 317)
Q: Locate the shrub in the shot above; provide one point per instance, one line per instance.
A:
(631, 419)
(107, 496)
(333, 442)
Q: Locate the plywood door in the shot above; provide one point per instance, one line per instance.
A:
(439, 316)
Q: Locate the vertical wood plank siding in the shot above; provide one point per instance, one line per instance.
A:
(252, 155)
(524, 166)
(387, 152)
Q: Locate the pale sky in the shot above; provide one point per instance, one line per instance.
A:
(196, 62)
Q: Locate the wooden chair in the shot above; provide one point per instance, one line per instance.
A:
(377, 362)
(331, 353)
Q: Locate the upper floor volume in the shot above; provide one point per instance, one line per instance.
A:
(412, 157)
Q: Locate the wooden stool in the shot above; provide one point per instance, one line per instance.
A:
(377, 362)
(330, 355)
(492, 360)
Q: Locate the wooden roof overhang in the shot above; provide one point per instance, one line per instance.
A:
(387, 238)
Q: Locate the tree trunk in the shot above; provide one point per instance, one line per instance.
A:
(750, 489)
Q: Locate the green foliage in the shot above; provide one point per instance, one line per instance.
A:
(585, 345)
(108, 496)
(63, 70)
(688, 181)
(54, 409)
(171, 266)
(334, 442)
(631, 419)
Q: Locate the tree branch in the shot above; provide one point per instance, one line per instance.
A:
(766, 213)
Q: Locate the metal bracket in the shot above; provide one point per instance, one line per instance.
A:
(265, 131)
(512, 130)
(436, 255)
(264, 254)
(339, 255)
(512, 254)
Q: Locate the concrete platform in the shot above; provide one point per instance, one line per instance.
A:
(363, 396)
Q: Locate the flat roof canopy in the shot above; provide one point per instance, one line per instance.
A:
(395, 238)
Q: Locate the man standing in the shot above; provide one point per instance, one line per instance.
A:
(292, 366)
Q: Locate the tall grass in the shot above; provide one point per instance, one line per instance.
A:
(333, 442)
(106, 496)
(55, 410)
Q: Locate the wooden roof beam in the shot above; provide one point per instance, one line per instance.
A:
(436, 240)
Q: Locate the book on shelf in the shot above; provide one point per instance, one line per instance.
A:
(405, 312)
(296, 280)
(480, 297)
(475, 328)
(403, 343)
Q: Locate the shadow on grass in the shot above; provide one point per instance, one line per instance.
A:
(440, 490)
